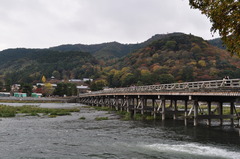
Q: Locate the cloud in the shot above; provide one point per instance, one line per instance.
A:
(46, 23)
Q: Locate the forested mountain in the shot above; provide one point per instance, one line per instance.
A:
(175, 57)
(29, 65)
(218, 43)
(108, 50)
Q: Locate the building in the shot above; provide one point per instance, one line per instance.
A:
(87, 79)
(83, 89)
(20, 94)
(36, 95)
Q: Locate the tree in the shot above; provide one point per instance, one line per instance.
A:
(26, 88)
(1, 85)
(44, 79)
(166, 78)
(187, 74)
(8, 85)
(68, 89)
(98, 85)
(224, 15)
(47, 89)
(56, 74)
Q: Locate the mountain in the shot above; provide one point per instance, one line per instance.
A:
(218, 43)
(108, 50)
(177, 57)
(164, 58)
(28, 65)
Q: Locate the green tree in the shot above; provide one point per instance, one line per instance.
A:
(171, 45)
(187, 74)
(56, 74)
(1, 85)
(26, 88)
(166, 78)
(128, 79)
(146, 77)
(68, 89)
(8, 84)
(98, 85)
(224, 15)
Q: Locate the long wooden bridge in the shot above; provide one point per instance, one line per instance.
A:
(202, 101)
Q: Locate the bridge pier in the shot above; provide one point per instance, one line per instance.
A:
(163, 103)
(232, 106)
(209, 110)
(154, 108)
(185, 111)
(220, 112)
(195, 106)
(175, 110)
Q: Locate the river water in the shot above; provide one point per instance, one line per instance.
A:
(68, 137)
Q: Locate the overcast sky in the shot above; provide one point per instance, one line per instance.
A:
(47, 23)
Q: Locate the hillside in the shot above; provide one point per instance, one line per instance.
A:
(180, 57)
(218, 43)
(28, 65)
(109, 50)
(166, 58)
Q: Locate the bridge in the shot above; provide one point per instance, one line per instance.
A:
(202, 101)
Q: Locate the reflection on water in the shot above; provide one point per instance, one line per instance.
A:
(70, 137)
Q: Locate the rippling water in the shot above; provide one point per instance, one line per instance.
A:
(70, 137)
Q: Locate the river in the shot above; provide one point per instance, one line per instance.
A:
(68, 137)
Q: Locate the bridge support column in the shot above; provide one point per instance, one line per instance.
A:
(220, 111)
(135, 107)
(121, 104)
(171, 104)
(163, 109)
(154, 108)
(92, 101)
(116, 103)
(97, 101)
(128, 103)
(133, 104)
(144, 104)
(185, 111)
(195, 105)
(175, 110)
(231, 112)
(209, 109)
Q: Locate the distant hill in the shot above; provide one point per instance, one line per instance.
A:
(218, 43)
(164, 58)
(180, 57)
(108, 50)
(28, 65)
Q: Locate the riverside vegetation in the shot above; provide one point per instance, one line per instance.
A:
(10, 111)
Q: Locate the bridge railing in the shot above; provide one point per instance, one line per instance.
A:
(221, 85)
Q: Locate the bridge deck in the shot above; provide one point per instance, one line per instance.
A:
(230, 87)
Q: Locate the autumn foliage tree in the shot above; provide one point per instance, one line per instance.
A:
(225, 18)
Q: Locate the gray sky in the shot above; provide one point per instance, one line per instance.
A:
(47, 23)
